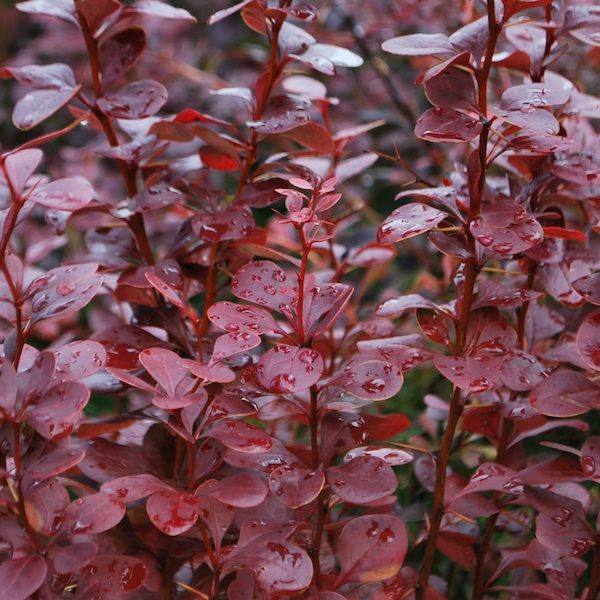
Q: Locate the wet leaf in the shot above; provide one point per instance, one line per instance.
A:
(447, 125)
(173, 512)
(118, 53)
(289, 369)
(419, 44)
(295, 485)
(93, 514)
(21, 577)
(136, 100)
(71, 193)
(409, 220)
(565, 394)
(588, 340)
(371, 548)
(362, 480)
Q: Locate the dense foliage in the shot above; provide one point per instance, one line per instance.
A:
(232, 367)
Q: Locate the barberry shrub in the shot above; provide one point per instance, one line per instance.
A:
(233, 368)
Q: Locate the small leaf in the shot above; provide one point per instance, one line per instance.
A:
(111, 575)
(371, 380)
(134, 487)
(55, 76)
(71, 559)
(533, 95)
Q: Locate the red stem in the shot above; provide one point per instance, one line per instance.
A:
(465, 302)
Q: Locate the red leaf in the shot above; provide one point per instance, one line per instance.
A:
(419, 44)
(71, 559)
(281, 568)
(54, 463)
(385, 427)
(173, 512)
(281, 114)
(565, 394)
(371, 548)
(21, 577)
(20, 166)
(588, 340)
(219, 161)
(111, 575)
(409, 220)
(136, 100)
(79, 360)
(93, 514)
(241, 436)
(371, 380)
(48, 77)
(239, 318)
(590, 458)
(533, 94)
(61, 9)
(289, 369)
(243, 490)
(58, 411)
(162, 10)
(452, 88)
(492, 477)
(296, 485)
(589, 288)
(96, 12)
(38, 105)
(123, 344)
(117, 54)
(447, 125)
(134, 487)
(231, 344)
(362, 480)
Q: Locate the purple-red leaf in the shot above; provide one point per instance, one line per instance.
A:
(419, 44)
(173, 512)
(71, 193)
(136, 100)
(409, 220)
(295, 485)
(588, 340)
(362, 480)
(447, 125)
(239, 318)
(289, 369)
(93, 514)
(241, 436)
(565, 394)
(119, 53)
(21, 577)
(371, 548)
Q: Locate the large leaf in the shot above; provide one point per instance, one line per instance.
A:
(241, 436)
(71, 193)
(362, 480)
(120, 52)
(447, 125)
(409, 220)
(173, 512)
(588, 340)
(240, 318)
(371, 548)
(289, 369)
(371, 380)
(111, 575)
(38, 105)
(93, 514)
(565, 394)
(21, 577)
(419, 44)
(295, 485)
(59, 410)
(136, 100)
